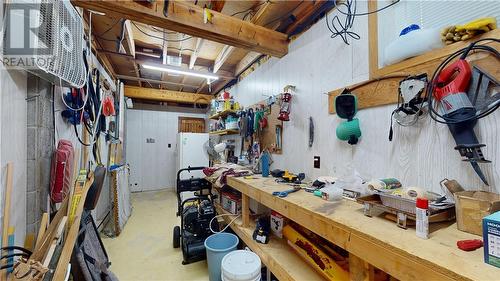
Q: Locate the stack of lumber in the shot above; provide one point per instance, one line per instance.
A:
(55, 241)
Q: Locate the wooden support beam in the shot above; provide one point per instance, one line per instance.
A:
(140, 79)
(194, 55)
(166, 95)
(222, 57)
(228, 50)
(187, 18)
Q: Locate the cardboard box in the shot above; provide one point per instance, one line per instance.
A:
(277, 223)
(231, 202)
(491, 237)
(472, 206)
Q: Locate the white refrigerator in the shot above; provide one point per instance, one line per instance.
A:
(191, 152)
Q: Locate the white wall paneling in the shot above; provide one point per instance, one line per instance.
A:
(418, 156)
(153, 165)
(13, 121)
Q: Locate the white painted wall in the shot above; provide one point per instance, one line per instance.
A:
(317, 64)
(13, 122)
(153, 165)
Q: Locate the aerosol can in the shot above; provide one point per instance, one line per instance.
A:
(459, 112)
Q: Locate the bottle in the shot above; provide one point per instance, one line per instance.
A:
(422, 214)
(264, 161)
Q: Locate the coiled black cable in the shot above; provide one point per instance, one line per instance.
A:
(342, 28)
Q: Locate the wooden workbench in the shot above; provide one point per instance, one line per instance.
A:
(371, 242)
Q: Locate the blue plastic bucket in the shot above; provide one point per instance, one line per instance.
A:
(218, 245)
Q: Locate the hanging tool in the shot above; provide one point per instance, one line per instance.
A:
(410, 101)
(451, 92)
(462, 102)
(286, 102)
(285, 193)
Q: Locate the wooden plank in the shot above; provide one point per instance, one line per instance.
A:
(373, 38)
(245, 210)
(69, 243)
(377, 241)
(166, 95)
(187, 18)
(194, 55)
(43, 227)
(55, 240)
(276, 255)
(6, 213)
(224, 54)
(385, 91)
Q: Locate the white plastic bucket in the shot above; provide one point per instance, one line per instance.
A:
(241, 265)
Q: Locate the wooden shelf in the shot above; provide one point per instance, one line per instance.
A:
(280, 258)
(223, 114)
(225, 132)
(376, 241)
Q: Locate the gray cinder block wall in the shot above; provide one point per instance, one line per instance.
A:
(40, 148)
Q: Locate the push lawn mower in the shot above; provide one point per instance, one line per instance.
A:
(196, 213)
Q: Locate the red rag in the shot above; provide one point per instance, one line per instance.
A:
(469, 245)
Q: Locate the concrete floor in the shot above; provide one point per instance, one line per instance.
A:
(144, 251)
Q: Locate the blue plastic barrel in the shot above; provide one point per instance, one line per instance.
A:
(218, 245)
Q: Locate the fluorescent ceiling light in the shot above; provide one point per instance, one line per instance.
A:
(174, 70)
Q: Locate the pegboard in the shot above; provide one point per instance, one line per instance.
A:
(268, 137)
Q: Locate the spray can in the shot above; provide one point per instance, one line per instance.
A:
(422, 214)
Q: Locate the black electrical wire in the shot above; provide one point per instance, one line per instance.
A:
(342, 28)
(433, 81)
(160, 38)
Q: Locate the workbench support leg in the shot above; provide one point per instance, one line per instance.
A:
(245, 211)
(268, 274)
(360, 270)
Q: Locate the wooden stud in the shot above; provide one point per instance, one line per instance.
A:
(188, 19)
(245, 210)
(373, 38)
(166, 95)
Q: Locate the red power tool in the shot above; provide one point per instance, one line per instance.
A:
(458, 111)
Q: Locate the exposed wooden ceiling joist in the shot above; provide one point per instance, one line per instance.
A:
(194, 55)
(188, 19)
(222, 57)
(228, 50)
(166, 95)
